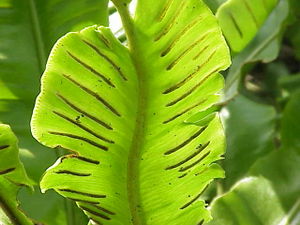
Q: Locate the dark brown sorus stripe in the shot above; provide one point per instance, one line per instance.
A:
(181, 83)
(183, 175)
(95, 213)
(96, 221)
(201, 52)
(175, 16)
(179, 36)
(185, 52)
(66, 149)
(191, 75)
(79, 138)
(163, 13)
(186, 142)
(94, 94)
(104, 210)
(4, 147)
(76, 108)
(114, 65)
(82, 193)
(75, 155)
(248, 7)
(88, 160)
(194, 163)
(173, 44)
(90, 68)
(83, 201)
(192, 90)
(184, 111)
(7, 171)
(208, 58)
(189, 157)
(83, 127)
(84, 159)
(201, 222)
(103, 39)
(73, 173)
(201, 172)
(183, 32)
(234, 21)
(193, 200)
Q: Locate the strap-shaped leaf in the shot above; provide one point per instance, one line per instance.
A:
(264, 47)
(241, 19)
(252, 201)
(12, 176)
(121, 113)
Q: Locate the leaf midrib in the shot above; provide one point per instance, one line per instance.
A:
(133, 191)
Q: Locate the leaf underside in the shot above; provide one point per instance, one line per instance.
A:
(122, 112)
(241, 19)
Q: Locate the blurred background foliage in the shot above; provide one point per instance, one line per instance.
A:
(260, 108)
(28, 30)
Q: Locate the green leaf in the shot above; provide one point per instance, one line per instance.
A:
(23, 58)
(281, 167)
(121, 113)
(294, 37)
(290, 124)
(251, 201)
(28, 30)
(12, 177)
(250, 133)
(214, 4)
(293, 33)
(264, 47)
(290, 83)
(240, 20)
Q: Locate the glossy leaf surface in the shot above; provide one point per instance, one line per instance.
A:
(251, 201)
(281, 166)
(264, 47)
(12, 177)
(290, 123)
(240, 20)
(121, 112)
(250, 129)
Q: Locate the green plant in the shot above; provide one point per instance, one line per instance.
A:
(133, 116)
(240, 20)
(28, 30)
(127, 114)
(12, 177)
